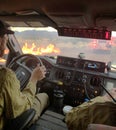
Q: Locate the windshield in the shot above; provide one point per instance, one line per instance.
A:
(47, 42)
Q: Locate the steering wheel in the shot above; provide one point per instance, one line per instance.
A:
(23, 66)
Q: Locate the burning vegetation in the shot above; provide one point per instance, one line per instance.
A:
(36, 50)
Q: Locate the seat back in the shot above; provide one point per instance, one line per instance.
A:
(20, 122)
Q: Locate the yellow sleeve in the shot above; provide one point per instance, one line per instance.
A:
(96, 111)
(16, 101)
(1, 110)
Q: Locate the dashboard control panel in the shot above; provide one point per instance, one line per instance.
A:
(81, 64)
(80, 78)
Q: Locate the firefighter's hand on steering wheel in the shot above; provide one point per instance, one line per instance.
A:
(38, 73)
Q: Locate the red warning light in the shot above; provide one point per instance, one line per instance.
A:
(107, 36)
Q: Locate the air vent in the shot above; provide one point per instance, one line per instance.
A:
(60, 74)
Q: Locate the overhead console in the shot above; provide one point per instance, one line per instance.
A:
(81, 64)
(85, 33)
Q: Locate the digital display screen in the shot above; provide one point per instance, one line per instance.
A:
(85, 33)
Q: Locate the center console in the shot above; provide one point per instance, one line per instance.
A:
(80, 79)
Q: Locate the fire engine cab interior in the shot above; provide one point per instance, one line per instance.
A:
(69, 81)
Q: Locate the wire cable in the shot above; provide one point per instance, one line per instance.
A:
(108, 93)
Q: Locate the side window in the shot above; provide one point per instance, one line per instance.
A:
(3, 59)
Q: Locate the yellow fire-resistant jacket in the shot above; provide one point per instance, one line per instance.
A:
(12, 101)
(95, 111)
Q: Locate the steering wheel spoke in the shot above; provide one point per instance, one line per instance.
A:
(23, 66)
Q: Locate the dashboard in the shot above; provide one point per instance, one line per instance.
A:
(81, 79)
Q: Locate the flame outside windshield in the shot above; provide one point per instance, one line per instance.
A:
(36, 50)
